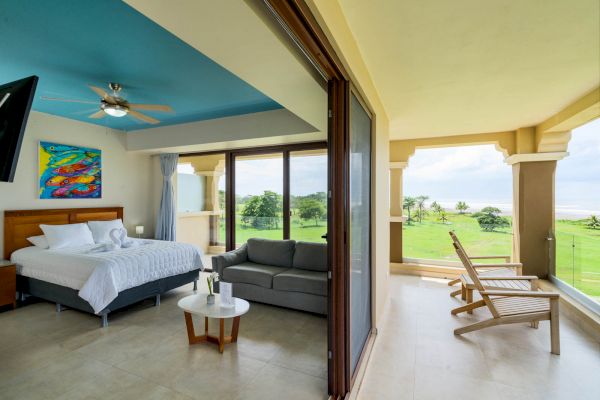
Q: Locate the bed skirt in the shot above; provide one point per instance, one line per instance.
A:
(69, 297)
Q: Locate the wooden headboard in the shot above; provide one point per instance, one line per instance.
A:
(21, 224)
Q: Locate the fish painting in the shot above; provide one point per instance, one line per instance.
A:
(69, 172)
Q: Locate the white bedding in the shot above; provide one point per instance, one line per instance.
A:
(100, 276)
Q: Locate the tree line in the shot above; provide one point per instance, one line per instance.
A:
(488, 218)
(264, 211)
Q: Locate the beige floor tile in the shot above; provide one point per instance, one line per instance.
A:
(435, 383)
(144, 354)
(417, 356)
(275, 383)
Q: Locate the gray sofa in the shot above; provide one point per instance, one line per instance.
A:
(280, 272)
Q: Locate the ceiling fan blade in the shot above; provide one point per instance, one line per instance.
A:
(86, 111)
(105, 96)
(97, 115)
(150, 107)
(68, 100)
(143, 117)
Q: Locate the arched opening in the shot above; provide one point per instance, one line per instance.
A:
(466, 189)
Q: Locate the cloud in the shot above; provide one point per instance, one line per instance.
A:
(470, 173)
(479, 174)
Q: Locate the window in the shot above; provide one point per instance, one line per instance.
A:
(308, 195)
(258, 197)
(276, 193)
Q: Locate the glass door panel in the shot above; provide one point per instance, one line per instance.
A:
(258, 197)
(359, 229)
(308, 195)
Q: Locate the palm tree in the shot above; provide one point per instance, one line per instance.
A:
(436, 207)
(421, 206)
(409, 203)
(461, 207)
(443, 216)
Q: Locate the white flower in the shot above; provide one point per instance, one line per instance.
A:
(214, 277)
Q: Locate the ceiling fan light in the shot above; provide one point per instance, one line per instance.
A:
(115, 110)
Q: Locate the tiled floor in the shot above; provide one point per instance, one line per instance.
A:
(144, 354)
(416, 356)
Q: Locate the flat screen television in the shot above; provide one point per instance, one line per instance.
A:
(15, 103)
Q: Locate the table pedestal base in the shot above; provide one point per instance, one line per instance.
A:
(221, 340)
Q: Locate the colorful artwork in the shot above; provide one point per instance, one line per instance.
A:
(69, 172)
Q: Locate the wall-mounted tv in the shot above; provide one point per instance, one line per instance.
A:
(15, 103)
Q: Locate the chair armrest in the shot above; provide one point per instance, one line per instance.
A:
(548, 295)
(508, 278)
(502, 265)
(230, 258)
(507, 258)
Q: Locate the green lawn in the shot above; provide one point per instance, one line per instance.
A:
(578, 265)
(299, 230)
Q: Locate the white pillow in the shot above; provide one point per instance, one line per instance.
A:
(101, 229)
(70, 235)
(39, 241)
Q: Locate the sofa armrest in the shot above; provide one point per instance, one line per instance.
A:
(228, 259)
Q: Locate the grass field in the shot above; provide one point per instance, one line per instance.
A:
(299, 230)
(577, 246)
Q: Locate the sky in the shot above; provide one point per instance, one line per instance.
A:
(479, 176)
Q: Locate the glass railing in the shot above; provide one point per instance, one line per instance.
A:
(577, 260)
(429, 239)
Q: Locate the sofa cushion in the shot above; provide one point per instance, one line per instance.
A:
(252, 273)
(311, 256)
(271, 252)
(301, 280)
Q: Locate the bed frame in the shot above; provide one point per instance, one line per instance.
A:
(21, 224)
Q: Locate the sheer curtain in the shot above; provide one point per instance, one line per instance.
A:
(165, 223)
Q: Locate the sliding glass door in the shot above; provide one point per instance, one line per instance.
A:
(308, 195)
(281, 194)
(359, 229)
(258, 197)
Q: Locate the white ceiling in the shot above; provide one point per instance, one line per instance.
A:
(468, 66)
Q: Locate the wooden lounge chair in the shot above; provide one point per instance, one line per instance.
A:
(510, 307)
(526, 283)
(498, 269)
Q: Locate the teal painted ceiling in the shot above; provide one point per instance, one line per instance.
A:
(71, 44)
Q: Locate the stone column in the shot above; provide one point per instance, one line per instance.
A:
(533, 209)
(396, 200)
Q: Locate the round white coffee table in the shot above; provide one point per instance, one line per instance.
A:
(196, 304)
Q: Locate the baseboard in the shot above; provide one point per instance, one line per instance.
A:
(353, 394)
(434, 271)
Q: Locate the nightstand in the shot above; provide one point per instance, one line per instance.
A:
(8, 283)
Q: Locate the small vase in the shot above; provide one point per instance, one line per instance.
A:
(210, 299)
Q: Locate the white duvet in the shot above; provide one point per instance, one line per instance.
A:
(100, 276)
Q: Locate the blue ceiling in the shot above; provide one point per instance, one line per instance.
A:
(70, 44)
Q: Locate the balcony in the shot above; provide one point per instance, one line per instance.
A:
(416, 355)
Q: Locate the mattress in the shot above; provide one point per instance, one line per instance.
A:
(99, 276)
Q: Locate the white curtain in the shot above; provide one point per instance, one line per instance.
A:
(165, 223)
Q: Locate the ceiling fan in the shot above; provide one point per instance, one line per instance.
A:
(116, 106)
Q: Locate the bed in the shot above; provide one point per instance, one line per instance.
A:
(96, 282)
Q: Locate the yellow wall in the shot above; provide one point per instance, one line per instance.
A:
(130, 180)
(332, 21)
